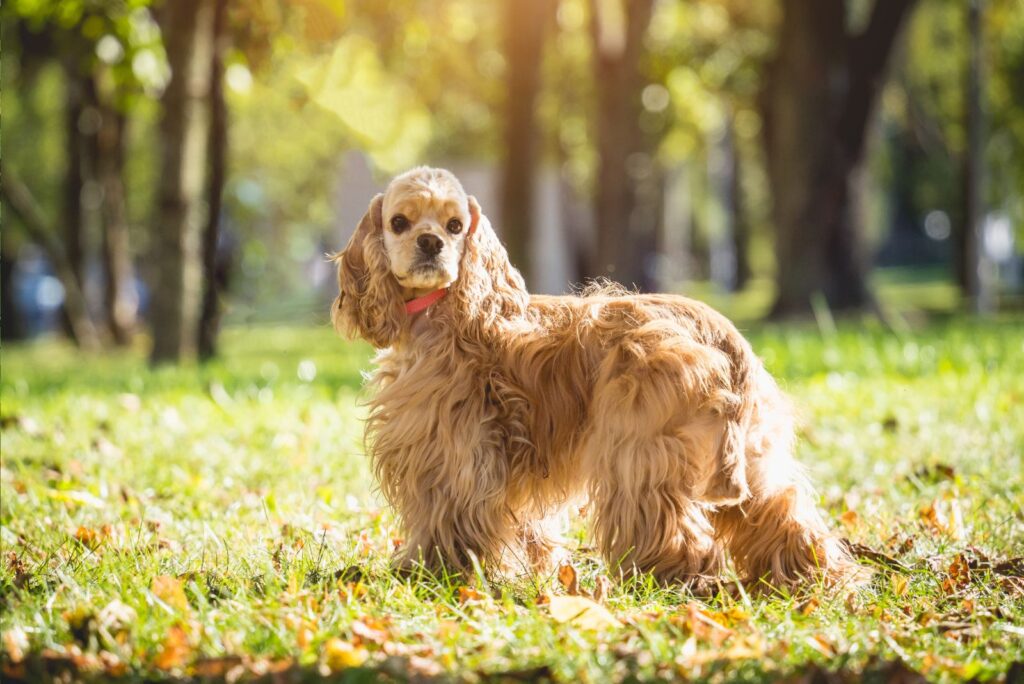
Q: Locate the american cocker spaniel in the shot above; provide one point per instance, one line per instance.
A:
(495, 410)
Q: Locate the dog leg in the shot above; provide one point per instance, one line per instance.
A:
(447, 533)
(645, 523)
(650, 449)
(778, 534)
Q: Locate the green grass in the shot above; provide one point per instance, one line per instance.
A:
(245, 487)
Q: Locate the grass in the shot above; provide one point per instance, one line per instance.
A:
(221, 521)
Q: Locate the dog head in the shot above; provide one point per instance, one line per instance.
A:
(427, 216)
(424, 233)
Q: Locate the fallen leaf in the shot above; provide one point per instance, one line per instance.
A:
(958, 575)
(15, 643)
(171, 591)
(602, 588)
(365, 545)
(706, 625)
(567, 578)
(467, 594)
(340, 655)
(821, 645)
(370, 629)
(944, 517)
(304, 630)
(581, 612)
(809, 606)
(88, 537)
(175, 649)
(850, 518)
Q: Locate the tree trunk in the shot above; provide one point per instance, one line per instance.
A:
(12, 326)
(624, 234)
(184, 134)
(78, 95)
(119, 292)
(209, 317)
(819, 98)
(739, 220)
(966, 255)
(525, 23)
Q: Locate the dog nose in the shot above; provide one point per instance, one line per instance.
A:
(429, 244)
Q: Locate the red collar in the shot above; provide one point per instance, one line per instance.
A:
(420, 303)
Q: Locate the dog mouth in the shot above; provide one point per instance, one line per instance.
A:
(423, 268)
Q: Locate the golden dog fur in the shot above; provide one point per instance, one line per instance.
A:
(495, 411)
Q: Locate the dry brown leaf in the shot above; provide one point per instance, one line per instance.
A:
(706, 625)
(944, 517)
(90, 537)
(581, 612)
(809, 606)
(171, 591)
(175, 650)
(958, 575)
(850, 518)
(467, 594)
(568, 579)
(602, 588)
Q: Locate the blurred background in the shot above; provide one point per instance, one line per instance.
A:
(171, 168)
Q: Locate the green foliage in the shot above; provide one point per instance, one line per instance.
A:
(230, 508)
(925, 106)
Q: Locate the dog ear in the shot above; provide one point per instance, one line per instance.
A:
(369, 303)
(488, 286)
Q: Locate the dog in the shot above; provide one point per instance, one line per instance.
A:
(495, 411)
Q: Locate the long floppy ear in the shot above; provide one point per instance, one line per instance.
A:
(369, 304)
(488, 286)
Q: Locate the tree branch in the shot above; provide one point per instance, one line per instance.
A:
(870, 51)
(23, 204)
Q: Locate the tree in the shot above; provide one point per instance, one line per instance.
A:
(820, 94)
(188, 31)
(524, 25)
(209, 317)
(118, 292)
(625, 232)
(966, 257)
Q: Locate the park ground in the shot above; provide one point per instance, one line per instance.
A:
(220, 522)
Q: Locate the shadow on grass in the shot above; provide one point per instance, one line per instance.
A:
(65, 669)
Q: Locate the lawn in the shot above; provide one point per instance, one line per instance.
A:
(221, 522)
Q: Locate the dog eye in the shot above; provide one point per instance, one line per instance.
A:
(454, 226)
(399, 223)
